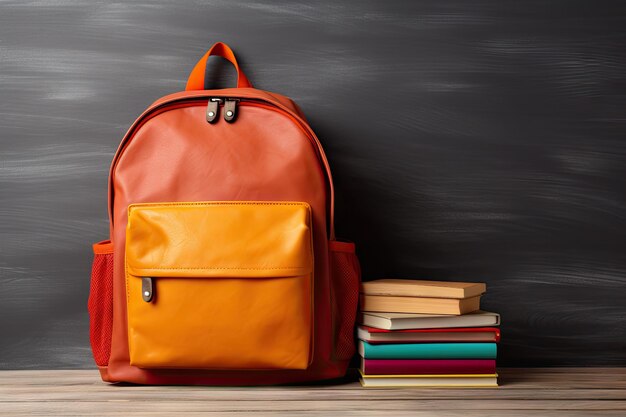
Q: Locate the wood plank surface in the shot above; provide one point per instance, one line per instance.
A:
(532, 391)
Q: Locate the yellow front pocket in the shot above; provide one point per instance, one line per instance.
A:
(220, 285)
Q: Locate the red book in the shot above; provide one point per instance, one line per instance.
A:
(459, 334)
(427, 366)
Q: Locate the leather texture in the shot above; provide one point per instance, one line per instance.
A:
(276, 102)
(268, 154)
(232, 285)
(239, 239)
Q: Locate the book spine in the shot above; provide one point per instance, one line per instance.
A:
(428, 366)
(429, 337)
(435, 339)
(430, 351)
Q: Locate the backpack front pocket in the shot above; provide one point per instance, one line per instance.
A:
(220, 285)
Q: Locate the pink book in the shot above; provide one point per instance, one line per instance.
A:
(427, 366)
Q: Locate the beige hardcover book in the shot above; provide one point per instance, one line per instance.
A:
(419, 304)
(431, 289)
(460, 381)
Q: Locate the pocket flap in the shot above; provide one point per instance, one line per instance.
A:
(219, 239)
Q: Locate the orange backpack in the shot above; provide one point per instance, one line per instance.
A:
(222, 265)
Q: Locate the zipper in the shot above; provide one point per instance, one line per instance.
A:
(213, 109)
(213, 106)
(230, 109)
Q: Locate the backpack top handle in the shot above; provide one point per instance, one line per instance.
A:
(196, 78)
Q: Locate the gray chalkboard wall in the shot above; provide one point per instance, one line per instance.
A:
(470, 140)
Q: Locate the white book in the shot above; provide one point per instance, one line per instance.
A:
(488, 335)
(403, 321)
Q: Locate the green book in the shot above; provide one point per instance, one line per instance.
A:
(428, 350)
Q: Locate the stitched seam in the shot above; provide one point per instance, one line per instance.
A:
(218, 203)
(226, 267)
(103, 251)
(126, 275)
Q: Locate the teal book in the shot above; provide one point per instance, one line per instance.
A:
(428, 350)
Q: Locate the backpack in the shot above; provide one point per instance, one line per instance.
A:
(222, 266)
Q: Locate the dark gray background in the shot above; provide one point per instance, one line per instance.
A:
(470, 140)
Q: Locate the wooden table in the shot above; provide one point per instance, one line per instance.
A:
(523, 391)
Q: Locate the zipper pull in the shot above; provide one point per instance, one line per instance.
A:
(213, 109)
(147, 289)
(230, 109)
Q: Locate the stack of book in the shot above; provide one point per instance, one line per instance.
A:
(426, 333)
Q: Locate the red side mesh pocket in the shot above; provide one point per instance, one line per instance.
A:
(346, 276)
(100, 304)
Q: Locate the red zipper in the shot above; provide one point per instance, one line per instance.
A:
(182, 103)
